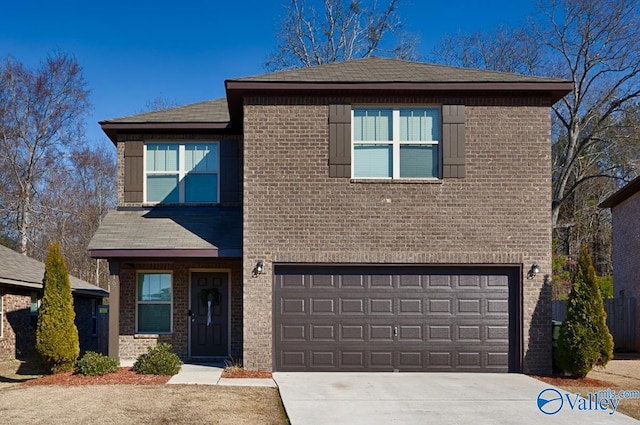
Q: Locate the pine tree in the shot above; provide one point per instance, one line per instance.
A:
(56, 335)
(584, 340)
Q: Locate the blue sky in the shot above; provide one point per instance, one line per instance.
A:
(136, 51)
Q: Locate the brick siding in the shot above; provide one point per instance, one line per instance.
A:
(132, 345)
(498, 214)
(626, 253)
(18, 337)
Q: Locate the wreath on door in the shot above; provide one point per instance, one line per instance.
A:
(210, 294)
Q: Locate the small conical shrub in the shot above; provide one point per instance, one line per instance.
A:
(56, 334)
(584, 340)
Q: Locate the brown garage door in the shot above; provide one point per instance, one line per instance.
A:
(396, 319)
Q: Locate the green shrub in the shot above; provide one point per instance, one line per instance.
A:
(605, 283)
(57, 340)
(158, 360)
(584, 340)
(93, 364)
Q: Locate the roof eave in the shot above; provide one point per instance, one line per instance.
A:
(112, 129)
(125, 254)
(555, 89)
(621, 195)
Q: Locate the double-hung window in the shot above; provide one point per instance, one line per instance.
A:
(182, 172)
(154, 301)
(396, 143)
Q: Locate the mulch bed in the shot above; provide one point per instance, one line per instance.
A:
(560, 381)
(124, 376)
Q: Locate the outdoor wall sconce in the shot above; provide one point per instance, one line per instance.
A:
(533, 271)
(258, 269)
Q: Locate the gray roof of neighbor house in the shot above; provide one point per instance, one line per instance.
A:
(169, 232)
(19, 270)
(361, 76)
(623, 194)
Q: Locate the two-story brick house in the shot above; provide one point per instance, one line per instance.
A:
(368, 215)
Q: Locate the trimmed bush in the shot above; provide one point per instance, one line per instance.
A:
(584, 340)
(56, 334)
(96, 364)
(158, 360)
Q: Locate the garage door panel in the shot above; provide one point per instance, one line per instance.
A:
(424, 321)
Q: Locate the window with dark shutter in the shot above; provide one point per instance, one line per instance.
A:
(453, 147)
(133, 171)
(339, 140)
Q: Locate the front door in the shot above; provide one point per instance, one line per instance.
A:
(209, 315)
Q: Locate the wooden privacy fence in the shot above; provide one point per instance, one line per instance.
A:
(621, 320)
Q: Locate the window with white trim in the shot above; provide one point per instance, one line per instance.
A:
(395, 142)
(182, 172)
(154, 303)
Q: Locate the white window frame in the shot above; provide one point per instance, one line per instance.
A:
(170, 302)
(395, 142)
(181, 172)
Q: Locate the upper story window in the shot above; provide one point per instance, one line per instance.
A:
(396, 143)
(182, 172)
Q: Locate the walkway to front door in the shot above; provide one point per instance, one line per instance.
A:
(209, 333)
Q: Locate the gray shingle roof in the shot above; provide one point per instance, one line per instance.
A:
(203, 112)
(384, 70)
(19, 270)
(163, 228)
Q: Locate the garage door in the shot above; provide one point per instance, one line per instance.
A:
(396, 319)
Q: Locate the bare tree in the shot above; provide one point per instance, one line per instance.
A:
(76, 208)
(596, 45)
(41, 119)
(338, 30)
(505, 49)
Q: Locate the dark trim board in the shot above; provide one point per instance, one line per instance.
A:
(393, 314)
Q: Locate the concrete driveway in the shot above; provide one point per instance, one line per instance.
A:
(438, 398)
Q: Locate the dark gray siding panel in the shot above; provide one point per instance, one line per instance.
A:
(339, 140)
(230, 175)
(133, 171)
(395, 318)
(453, 145)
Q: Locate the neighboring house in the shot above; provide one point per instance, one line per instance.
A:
(20, 296)
(625, 212)
(371, 215)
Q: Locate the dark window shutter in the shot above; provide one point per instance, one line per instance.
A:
(453, 162)
(133, 171)
(339, 140)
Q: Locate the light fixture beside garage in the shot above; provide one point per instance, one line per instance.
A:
(257, 270)
(533, 271)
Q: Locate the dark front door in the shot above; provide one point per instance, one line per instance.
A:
(209, 315)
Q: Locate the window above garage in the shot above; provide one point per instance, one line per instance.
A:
(396, 143)
(400, 143)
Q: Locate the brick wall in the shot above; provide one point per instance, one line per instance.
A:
(498, 214)
(132, 345)
(18, 337)
(626, 253)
